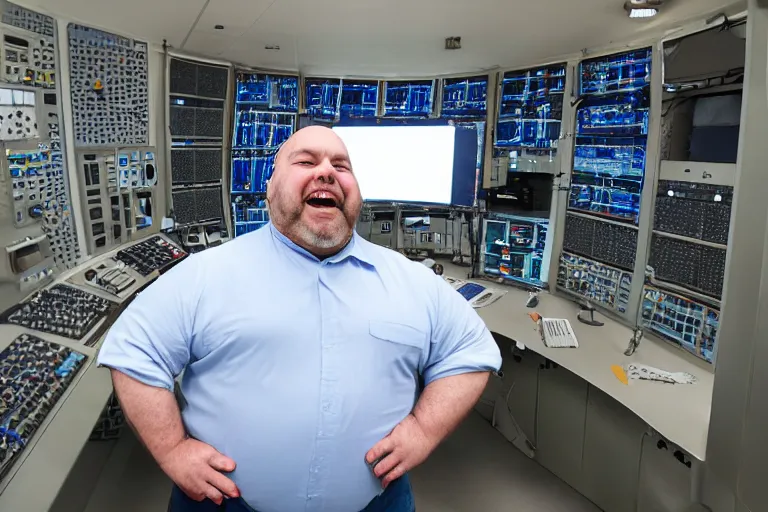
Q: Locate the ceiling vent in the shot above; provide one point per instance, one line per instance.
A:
(639, 9)
(452, 43)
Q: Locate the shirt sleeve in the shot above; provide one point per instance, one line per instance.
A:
(152, 339)
(460, 342)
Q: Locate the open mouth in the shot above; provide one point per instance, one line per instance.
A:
(322, 200)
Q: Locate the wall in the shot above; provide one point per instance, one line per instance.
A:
(736, 447)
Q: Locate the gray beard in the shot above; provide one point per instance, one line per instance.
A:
(309, 238)
(321, 241)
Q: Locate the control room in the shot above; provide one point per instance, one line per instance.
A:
(445, 256)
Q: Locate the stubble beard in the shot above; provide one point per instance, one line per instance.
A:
(328, 236)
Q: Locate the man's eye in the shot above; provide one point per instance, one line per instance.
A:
(305, 162)
(341, 167)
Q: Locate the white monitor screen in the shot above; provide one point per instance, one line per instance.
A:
(402, 163)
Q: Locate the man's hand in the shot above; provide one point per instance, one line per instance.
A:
(196, 468)
(403, 449)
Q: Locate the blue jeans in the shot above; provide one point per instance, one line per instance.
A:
(396, 498)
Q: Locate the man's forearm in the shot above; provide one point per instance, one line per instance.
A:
(447, 401)
(152, 412)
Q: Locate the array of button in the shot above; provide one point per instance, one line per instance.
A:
(34, 374)
(689, 323)
(697, 267)
(61, 310)
(597, 282)
(606, 242)
(108, 76)
(152, 254)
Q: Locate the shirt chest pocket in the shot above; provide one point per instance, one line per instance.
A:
(400, 344)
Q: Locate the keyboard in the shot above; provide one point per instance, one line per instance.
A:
(471, 290)
(557, 333)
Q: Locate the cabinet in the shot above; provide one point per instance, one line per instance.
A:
(665, 481)
(612, 445)
(560, 421)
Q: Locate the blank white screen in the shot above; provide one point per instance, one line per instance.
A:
(402, 163)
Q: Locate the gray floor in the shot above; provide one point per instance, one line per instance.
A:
(476, 469)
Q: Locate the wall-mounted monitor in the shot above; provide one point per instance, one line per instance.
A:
(413, 164)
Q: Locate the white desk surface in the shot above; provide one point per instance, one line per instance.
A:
(678, 412)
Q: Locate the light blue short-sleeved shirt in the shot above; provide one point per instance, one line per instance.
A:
(296, 367)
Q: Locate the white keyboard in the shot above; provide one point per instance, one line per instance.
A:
(557, 333)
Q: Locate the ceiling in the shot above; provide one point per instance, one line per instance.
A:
(382, 38)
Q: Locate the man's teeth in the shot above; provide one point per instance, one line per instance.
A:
(321, 195)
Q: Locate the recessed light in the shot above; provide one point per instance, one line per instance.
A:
(219, 27)
(639, 9)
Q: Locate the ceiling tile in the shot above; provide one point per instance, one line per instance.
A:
(151, 20)
(208, 43)
(235, 15)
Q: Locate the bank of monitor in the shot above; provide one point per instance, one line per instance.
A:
(413, 164)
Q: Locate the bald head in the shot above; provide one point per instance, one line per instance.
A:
(313, 196)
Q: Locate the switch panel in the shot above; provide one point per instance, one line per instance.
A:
(197, 205)
(697, 267)
(196, 165)
(22, 18)
(108, 77)
(607, 242)
(694, 210)
(691, 324)
(605, 285)
(29, 125)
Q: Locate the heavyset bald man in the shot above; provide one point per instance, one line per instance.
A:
(318, 368)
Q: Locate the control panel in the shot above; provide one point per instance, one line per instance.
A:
(198, 93)
(109, 88)
(61, 310)
(36, 224)
(153, 254)
(118, 191)
(34, 375)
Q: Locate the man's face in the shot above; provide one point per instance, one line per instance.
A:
(314, 198)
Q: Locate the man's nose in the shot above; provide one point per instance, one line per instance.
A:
(325, 172)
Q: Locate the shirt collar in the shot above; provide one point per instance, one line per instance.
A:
(354, 249)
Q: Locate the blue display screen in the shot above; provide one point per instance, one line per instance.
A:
(611, 136)
(622, 72)
(322, 97)
(531, 108)
(359, 99)
(271, 92)
(465, 97)
(409, 99)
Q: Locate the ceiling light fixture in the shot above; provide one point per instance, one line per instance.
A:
(640, 9)
(219, 27)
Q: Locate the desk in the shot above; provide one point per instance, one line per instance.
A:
(678, 412)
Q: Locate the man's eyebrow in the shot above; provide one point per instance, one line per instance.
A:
(296, 152)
